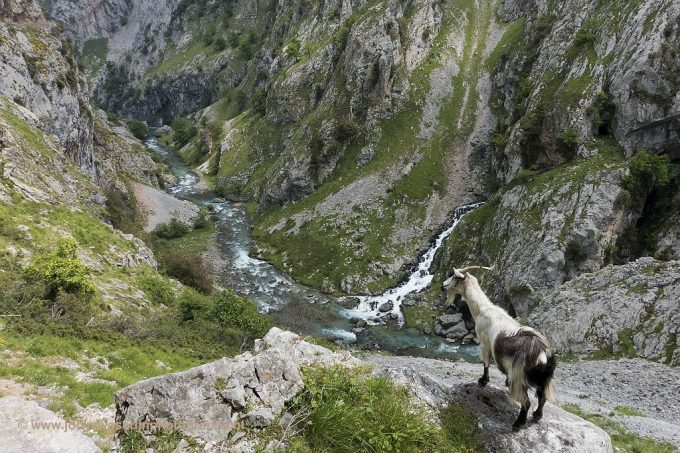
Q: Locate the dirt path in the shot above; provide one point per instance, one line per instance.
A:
(160, 207)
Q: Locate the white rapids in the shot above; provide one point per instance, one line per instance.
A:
(375, 308)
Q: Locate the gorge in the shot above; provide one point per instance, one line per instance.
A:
(180, 179)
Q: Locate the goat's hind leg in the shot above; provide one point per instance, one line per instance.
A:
(524, 410)
(538, 413)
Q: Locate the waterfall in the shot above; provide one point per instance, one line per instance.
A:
(370, 306)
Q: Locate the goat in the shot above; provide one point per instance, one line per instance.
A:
(523, 354)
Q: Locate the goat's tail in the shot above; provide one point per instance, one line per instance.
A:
(533, 367)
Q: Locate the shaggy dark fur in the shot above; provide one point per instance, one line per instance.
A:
(521, 353)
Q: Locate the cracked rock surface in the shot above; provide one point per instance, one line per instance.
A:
(207, 401)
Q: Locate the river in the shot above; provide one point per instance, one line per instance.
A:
(302, 308)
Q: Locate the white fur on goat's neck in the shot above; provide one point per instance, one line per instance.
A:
(490, 320)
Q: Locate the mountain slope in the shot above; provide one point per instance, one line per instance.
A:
(352, 129)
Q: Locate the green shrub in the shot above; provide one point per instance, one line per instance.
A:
(568, 142)
(260, 100)
(575, 253)
(122, 211)
(586, 34)
(188, 269)
(62, 271)
(220, 43)
(174, 229)
(138, 128)
(231, 310)
(184, 130)
(201, 221)
(193, 305)
(293, 47)
(348, 410)
(157, 290)
(113, 117)
(345, 132)
(647, 172)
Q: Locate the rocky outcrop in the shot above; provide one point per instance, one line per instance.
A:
(540, 233)
(26, 428)
(207, 401)
(88, 19)
(438, 384)
(628, 310)
(21, 11)
(39, 72)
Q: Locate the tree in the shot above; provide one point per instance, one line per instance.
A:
(138, 128)
(184, 130)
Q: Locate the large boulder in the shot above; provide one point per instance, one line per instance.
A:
(28, 428)
(437, 384)
(206, 402)
(623, 310)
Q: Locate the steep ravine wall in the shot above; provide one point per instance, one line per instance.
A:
(366, 123)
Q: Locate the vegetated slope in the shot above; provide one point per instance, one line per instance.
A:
(353, 128)
(77, 293)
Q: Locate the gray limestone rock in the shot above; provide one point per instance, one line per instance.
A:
(628, 309)
(203, 401)
(25, 427)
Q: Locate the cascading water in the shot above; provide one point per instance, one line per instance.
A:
(377, 308)
(274, 292)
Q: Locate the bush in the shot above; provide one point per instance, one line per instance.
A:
(234, 311)
(575, 253)
(113, 117)
(260, 101)
(220, 43)
(122, 211)
(138, 128)
(188, 269)
(157, 290)
(647, 172)
(184, 130)
(345, 132)
(193, 305)
(62, 271)
(174, 229)
(348, 410)
(200, 221)
(293, 47)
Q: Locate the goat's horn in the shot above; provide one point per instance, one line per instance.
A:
(475, 268)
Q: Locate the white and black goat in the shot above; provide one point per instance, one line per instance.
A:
(523, 354)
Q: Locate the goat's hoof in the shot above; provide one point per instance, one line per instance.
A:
(482, 382)
(537, 415)
(518, 425)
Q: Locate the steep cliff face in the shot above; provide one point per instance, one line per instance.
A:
(628, 310)
(568, 71)
(353, 127)
(84, 20)
(20, 11)
(579, 88)
(38, 71)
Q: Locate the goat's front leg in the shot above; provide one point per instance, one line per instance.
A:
(485, 354)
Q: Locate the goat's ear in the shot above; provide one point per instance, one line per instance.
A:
(458, 274)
